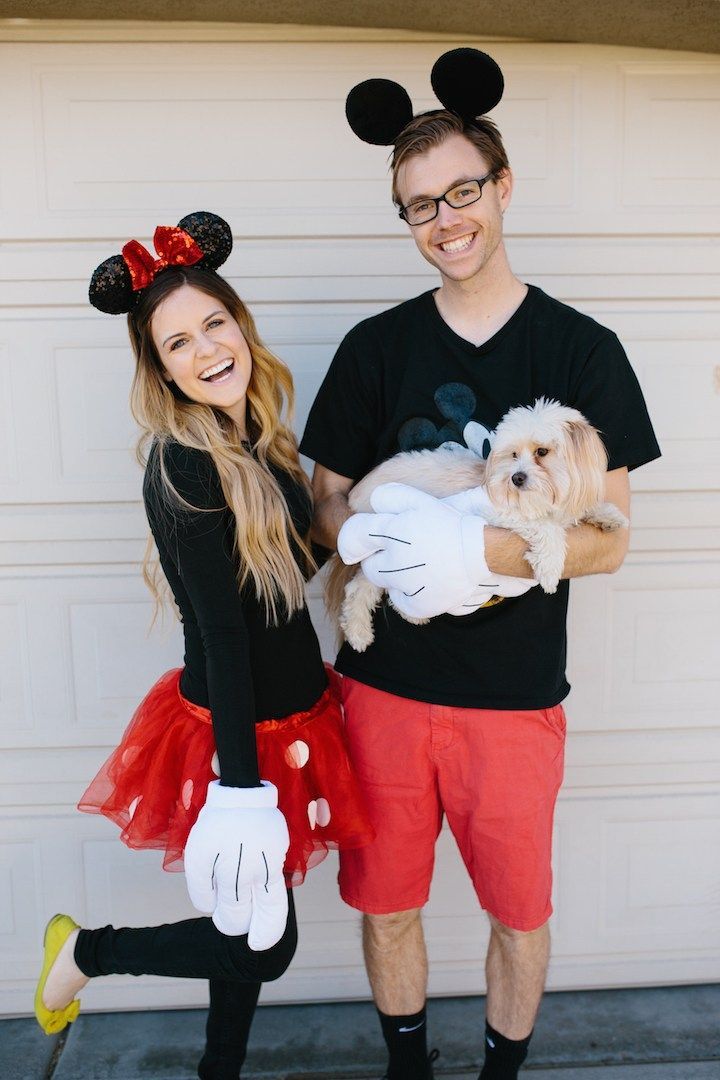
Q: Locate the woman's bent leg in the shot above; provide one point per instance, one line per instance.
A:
(232, 1007)
(191, 949)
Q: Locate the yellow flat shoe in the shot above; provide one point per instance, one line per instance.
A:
(57, 932)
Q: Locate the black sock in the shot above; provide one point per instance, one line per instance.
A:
(406, 1038)
(503, 1057)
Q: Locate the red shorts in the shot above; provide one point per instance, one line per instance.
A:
(494, 773)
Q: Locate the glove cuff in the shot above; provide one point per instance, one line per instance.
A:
(347, 542)
(472, 530)
(230, 798)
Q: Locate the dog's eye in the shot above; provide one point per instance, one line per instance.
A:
(514, 456)
(541, 451)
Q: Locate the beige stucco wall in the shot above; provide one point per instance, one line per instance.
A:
(665, 24)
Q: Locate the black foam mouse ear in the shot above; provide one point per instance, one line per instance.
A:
(377, 110)
(467, 82)
(111, 288)
(212, 234)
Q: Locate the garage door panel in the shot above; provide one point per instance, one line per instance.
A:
(84, 656)
(641, 643)
(607, 758)
(655, 662)
(95, 437)
(128, 888)
(33, 778)
(76, 443)
(35, 688)
(38, 856)
(9, 408)
(655, 885)
(15, 669)
(628, 875)
(676, 521)
(654, 168)
(200, 120)
(681, 383)
(20, 129)
(111, 662)
(20, 863)
(536, 117)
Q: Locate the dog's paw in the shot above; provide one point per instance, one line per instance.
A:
(546, 576)
(359, 641)
(357, 626)
(607, 517)
(356, 614)
(415, 620)
(549, 585)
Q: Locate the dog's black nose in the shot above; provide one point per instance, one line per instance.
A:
(519, 478)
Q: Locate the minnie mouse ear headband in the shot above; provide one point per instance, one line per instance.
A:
(467, 82)
(200, 239)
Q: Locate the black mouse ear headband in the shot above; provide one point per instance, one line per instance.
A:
(200, 239)
(467, 82)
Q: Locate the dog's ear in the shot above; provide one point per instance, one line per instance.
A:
(496, 476)
(586, 460)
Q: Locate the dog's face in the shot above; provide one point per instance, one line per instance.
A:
(545, 458)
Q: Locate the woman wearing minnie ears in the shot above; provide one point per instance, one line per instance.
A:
(234, 765)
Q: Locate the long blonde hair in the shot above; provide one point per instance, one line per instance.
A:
(264, 531)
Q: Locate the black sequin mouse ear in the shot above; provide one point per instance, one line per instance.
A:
(200, 239)
(467, 82)
(212, 235)
(377, 110)
(111, 288)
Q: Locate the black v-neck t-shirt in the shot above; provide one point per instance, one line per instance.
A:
(236, 665)
(405, 380)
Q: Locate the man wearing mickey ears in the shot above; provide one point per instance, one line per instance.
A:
(461, 716)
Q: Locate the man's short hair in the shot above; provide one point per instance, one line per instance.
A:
(430, 129)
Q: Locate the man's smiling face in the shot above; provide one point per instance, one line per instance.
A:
(459, 243)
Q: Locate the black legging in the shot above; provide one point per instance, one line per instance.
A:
(232, 1007)
(191, 949)
(195, 949)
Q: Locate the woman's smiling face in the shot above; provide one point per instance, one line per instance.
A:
(203, 351)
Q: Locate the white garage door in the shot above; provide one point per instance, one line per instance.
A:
(618, 187)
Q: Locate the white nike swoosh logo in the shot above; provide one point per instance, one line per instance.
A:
(403, 1030)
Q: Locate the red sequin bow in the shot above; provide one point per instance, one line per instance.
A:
(174, 246)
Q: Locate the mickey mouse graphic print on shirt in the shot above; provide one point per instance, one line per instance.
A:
(457, 403)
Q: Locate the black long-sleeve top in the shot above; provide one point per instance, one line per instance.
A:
(236, 665)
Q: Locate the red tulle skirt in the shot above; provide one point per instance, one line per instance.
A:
(154, 784)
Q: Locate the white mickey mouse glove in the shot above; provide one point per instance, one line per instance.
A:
(477, 501)
(428, 555)
(234, 860)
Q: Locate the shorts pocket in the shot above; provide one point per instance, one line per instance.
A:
(555, 719)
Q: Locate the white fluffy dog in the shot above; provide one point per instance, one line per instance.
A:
(546, 471)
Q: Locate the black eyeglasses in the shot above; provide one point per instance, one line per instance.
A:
(422, 210)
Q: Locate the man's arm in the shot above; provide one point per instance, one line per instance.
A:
(589, 550)
(330, 492)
